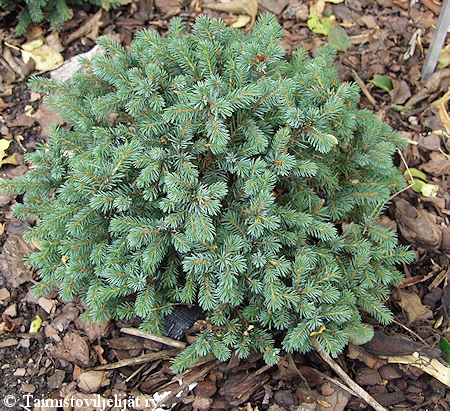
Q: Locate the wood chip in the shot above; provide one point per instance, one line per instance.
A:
(48, 305)
(4, 294)
(10, 342)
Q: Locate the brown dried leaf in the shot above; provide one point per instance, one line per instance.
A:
(412, 305)
(73, 348)
(248, 7)
(126, 343)
(54, 42)
(431, 86)
(404, 4)
(369, 21)
(202, 404)
(4, 294)
(93, 331)
(99, 351)
(431, 142)
(400, 93)
(168, 8)
(51, 333)
(418, 227)
(92, 25)
(238, 388)
(91, 381)
(62, 321)
(23, 120)
(337, 399)
(56, 380)
(9, 342)
(438, 165)
(3, 105)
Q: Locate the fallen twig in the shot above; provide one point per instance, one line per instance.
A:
(160, 355)
(411, 332)
(350, 383)
(364, 88)
(163, 340)
(135, 373)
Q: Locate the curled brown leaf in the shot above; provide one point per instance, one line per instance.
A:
(247, 7)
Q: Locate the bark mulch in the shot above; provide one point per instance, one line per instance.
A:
(70, 365)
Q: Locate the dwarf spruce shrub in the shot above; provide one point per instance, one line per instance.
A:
(205, 169)
(56, 12)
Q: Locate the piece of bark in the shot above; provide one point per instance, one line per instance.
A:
(237, 389)
(389, 398)
(12, 266)
(389, 345)
(368, 376)
(356, 352)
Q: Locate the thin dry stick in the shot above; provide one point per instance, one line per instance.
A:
(135, 373)
(409, 172)
(411, 332)
(325, 376)
(352, 384)
(377, 207)
(364, 88)
(160, 355)
(163, 340)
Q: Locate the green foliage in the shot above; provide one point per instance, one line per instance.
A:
(444, 345)
(204, 169)
(56, 12)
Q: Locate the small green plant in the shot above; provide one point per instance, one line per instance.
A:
(205, 169)
(56, 12)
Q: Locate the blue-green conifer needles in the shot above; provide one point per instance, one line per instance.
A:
(205, 169)
(55, 12)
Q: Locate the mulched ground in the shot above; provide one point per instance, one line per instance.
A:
(111, 367)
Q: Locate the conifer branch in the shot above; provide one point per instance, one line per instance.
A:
(230, 179)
